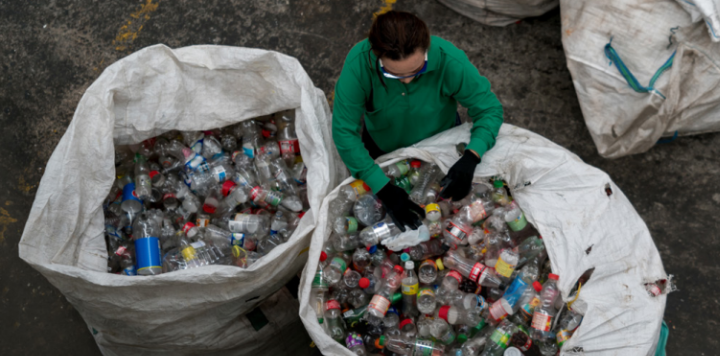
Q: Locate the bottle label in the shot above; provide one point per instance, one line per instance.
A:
(219, 174)
(352, 224)
(457, 232)
(476, 270)
(197, 244)
(289, 146)
(120, 251)
(202, 222)
(147, 253)
(541, 321)
(424, 348)
(248, 149)
(527, 345)
(129, 193)
(428, 263)
(518, 223)
(360, 187)
(456, 275)
(319, 281)
(197, 146)
(432, 208)
(129, 271)
(529, 308)
(381, 230)
(410, 289)
(273, 198)
(426, 292)
(503, 268)
(379, 303)
(500, 337)
(654, 290)
(497, 311)
(332, 304)
(186, 228)
(195, 162)
(339, 263)
(237, 239)
(562, 336)
(189, 253)
(477, 211)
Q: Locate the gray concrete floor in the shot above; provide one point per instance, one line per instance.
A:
(51, 51)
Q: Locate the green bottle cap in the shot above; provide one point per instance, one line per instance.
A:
(462, 338)
(498, 184)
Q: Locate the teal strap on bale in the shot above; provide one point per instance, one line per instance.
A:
(614, 57)
(664, 332)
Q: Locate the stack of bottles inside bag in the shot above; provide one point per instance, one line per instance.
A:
(478, 284)
(195, 198)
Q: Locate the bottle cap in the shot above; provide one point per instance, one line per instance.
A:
(405, 257)
(372, 249)
(405, 322)
(364, 283)
(512, 351)
(537, 286)
(439, 264)
(380, 342)
(228, 187)
(462, 338)
(409, 265)
(553, 276)
(415, 163)
(300, 216)
(498, 183)
(398, 269)
(323, 256)
(443, 312)
(265, 133)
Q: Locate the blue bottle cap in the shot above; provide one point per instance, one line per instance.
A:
(372, 249)
(405, 257)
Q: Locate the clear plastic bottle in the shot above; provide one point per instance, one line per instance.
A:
(347, 196)
(457, 229)
(143, 183)
(368, 210)
(361, 259)
(455, 315)
(410, 285)
(234, 195)
(426, 249)
(351, 278)
(372, 235)
(398, 169)
(499, 340)
(345, 225)
(211, 147)
(333, 318)
(475, 271)
(428, 173)
(432, 212)
(273, 198)
(287, 139)
(250, 224)
(506, 263)
(335, 269)
(442, 331)
(147, 245)
(212, 201)
(427, 272)
(381, 300)
(528, 302)
(545, 311)
(566, 327)
(426, 300)
(529, 249)
(282, 175)
(131, 203)
(499, 195)
(354, 343)
(414, 173)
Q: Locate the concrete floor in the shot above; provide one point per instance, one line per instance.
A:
(51, 51)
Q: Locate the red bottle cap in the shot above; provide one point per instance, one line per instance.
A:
(228, 187)
(398, 269)
(152, 174)
(553, 276)
(364, 283)
(405, 322)
(265, 133)
(415, 164)
(443, 312)
(537, 286)
(300, 216)
(323, 256)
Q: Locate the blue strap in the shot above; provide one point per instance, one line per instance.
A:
(629, 77)
(667, 140)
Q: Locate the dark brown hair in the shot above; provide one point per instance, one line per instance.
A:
(398, 34)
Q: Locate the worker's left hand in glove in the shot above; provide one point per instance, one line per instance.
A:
(458, 181)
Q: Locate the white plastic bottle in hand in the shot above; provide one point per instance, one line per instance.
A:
(409, 290)
(545, 311)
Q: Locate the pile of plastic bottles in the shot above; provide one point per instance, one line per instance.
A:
(477, 281)
(190, 199)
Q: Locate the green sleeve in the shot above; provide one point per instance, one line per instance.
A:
(472, 90)
(348, 110)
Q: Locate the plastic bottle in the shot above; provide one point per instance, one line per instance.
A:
(426, 249)
(127, 265)
(189, 254)
(414, 173)
(426, 300)
(334, 270)
(408, 330)
(381, 300)
(345, 225)
(432, 212)
(368, 210)
(427, 272)
(454, 315)
(398, 169)
(211, 147)
(290, 202)
(147, 246)
(335, 324)
(143, 183)
(442, 331)
(410, 290)
(361, 259)
(345, 242)
(372, 235)
(524, 344)
(131, 203)
(529, 249)
(506, 263)
(212, 201)
(351, 278)
(545, 311)
(347, 196)
(287, 138)
(234, 195)
(354, 343)
(428, 174)
(499, 195)
(499, 340)
(250, 224)
(566, 327)
(457, 229)
(475, 271)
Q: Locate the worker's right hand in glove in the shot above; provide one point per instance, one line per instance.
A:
(398, 205)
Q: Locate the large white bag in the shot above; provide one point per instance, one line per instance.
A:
(152, 91)
(648, 38)
(566, 200)
(500, 12)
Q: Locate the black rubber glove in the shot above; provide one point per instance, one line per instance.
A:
(458, 181)
(398, 205)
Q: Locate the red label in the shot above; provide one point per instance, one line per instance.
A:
(169, 195)
(541, 321)
(187, 227)
(379, 303)
(332, 304)
(152, 174)
(497, 311)
(234, 154)
(120, 251)
(455, 275)
(254, 193)
(476, 270)
(228, 187)
(289, 146)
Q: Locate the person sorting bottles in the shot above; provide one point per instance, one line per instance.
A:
(406, 84)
